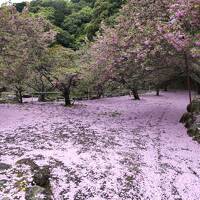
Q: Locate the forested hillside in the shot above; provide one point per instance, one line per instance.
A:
(77, 20)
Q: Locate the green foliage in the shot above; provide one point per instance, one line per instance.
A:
(78, 20)
(48, 13)
(65, 38)
(20, 6)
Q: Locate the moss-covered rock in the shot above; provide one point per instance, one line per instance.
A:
(194, 107)
(191, 119)
(41, 188)
(186, 116)
(189, 123)
(193, 130)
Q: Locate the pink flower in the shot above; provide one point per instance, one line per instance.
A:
(179, 14)
(147, 42)
(197, 43)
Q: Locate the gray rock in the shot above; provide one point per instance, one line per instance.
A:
(29, 162)
(41, 177)
(37, 193)
(3, 183)
(4, 166)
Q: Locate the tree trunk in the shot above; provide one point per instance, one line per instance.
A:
(135, 94)
(165, 88)
(41, 98)
(19, 96)
(198, 88)
(157, 92)
(100, 91)
(66, 95)
(3, 89)
(188, 77)
(99, 94)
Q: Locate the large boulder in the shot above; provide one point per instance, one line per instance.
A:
(41, 177)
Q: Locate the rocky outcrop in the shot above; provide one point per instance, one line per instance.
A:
(40, 189)
(191, 119)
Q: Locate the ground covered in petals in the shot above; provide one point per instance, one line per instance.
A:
(112, 148)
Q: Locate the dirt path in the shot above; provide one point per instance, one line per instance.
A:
(113, 148)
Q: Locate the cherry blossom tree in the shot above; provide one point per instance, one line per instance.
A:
(134, 48)
(59, 67)
(22, 40)
(151, 42)
(182, 32)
